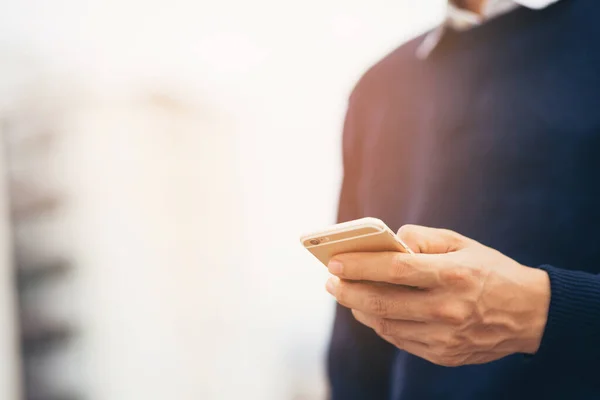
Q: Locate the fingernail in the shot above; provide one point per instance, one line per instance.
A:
(335, 267)
(332, 285)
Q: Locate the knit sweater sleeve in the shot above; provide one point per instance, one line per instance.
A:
(573, 325)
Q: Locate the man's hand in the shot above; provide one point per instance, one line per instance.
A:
(473, 304)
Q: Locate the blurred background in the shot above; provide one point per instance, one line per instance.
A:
(161, 159)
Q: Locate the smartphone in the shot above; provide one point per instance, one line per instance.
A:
(361, 235)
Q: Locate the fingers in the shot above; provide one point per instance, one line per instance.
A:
(416, 348)
(422, 239)
(416, 338)
(435, 248)
(417, 270)
(384, 301)
(407, 341)
(400, 329)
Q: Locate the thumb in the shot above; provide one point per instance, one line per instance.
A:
(422, 239)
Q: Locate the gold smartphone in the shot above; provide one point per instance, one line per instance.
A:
(361, 235)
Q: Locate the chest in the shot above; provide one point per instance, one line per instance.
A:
(505, 150)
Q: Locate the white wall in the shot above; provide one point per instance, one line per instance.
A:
(154, 190)
(10, 384)
(255, 150)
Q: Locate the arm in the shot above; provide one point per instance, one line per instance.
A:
(475, 305)
(359, 361)
(573, 324)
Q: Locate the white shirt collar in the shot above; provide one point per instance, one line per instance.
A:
(535, 4)
(461, 19)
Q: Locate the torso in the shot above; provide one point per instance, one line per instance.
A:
(502, 144)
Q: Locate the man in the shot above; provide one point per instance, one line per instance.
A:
(487, 126)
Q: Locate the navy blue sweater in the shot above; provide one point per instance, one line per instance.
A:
(497, 136)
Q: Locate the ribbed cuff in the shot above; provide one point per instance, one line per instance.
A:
(573, 325)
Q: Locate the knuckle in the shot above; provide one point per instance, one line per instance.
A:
(401, 344)
(409, 233)
(455, 240)
(448, 361)
(440, 312)
(451, 343)
(383, 327)
(446, 358)
(450, 313)
(399, 269)
(452, 235)
(406, 230)
(459, 277)
(340, 293)
(444, 341)
(377, 306)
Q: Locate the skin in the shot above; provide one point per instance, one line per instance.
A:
(455, 302)
(472, 5)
